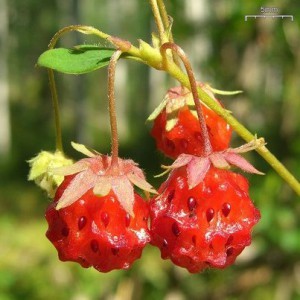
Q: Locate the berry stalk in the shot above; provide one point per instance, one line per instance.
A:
(54, 97)
(80, 28)
(193, 86)
(112, 109)
(126, 46)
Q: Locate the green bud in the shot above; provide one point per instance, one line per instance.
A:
(41, 170)
(150, 55)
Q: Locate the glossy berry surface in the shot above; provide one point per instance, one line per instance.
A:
(184, 136)
(97, 231)
(206, 226)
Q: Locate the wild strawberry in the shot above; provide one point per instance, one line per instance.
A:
(207, 226)
(176, 127)
(96, 218)
(203, 216)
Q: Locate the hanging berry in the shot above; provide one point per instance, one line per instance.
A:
(176, 127)
(97, 219)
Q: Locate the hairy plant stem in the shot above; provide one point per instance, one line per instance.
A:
(80, 28)
(158, 21)
(112, 109)
(193, 86)
(164, 14)
(166, 22)
(54, 96)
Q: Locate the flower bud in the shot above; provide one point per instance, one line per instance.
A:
(41, 170)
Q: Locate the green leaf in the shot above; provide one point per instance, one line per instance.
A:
(78, 60)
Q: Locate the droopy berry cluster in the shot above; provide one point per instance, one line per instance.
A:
(203, 215)
(200, 217)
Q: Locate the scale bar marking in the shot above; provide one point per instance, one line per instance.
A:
(269, 16)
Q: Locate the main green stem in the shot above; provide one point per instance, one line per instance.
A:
(164, 16)
(158, 21)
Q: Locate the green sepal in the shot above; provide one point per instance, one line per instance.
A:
(158, 109)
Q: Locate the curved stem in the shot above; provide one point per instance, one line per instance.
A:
(112, 108)
(193, 87)
(81, 28)
(54, 97)
(124, 45)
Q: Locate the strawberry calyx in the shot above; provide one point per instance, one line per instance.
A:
(96, 172)
(179, 97)
(198, 166)
(176, 99)
(221, 92)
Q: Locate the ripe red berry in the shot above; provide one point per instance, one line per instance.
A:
(97, 231)
(96, 218)
(176, 128)
(208, 225)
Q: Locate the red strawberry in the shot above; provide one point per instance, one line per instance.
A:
(96, 218)
(208, 225)
(97, 231)
(176, 128)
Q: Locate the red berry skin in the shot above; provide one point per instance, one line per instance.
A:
(207, 226)
(185, 136)
(97, 231)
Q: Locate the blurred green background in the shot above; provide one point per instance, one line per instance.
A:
(260, 57)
